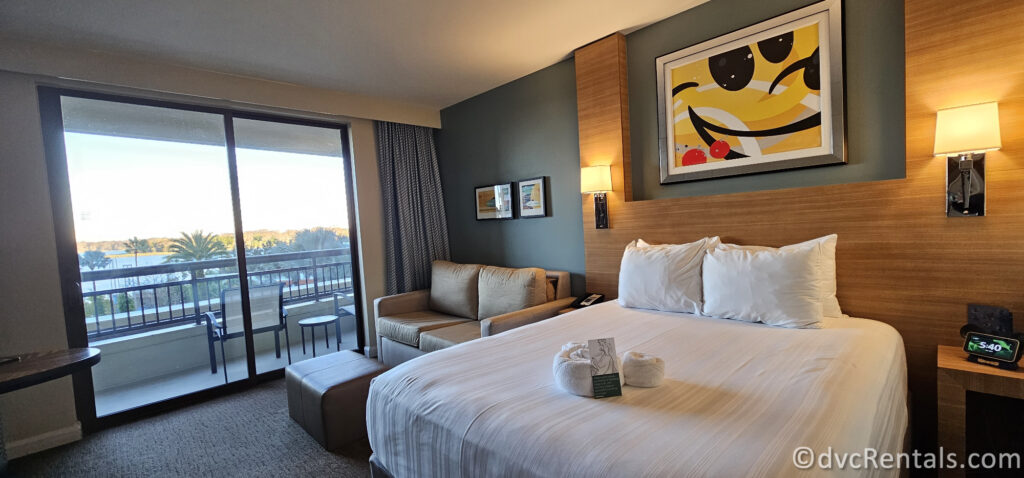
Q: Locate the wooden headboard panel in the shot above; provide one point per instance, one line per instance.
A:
(900, 260)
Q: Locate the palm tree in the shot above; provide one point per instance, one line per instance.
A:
(94, 260)
(195, 247)
(136, 246)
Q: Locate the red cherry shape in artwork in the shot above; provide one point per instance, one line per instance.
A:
(694, 156)
(719, 149)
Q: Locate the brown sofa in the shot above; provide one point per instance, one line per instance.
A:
(465, 302)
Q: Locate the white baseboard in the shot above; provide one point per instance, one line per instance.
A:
(44, 441)
(370, 351)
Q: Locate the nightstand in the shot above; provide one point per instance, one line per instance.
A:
(566, 310)
(955, 377)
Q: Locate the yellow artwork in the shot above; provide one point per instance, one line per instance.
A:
(485, 202)
(494, 202)
(763, 97)
(532, 200)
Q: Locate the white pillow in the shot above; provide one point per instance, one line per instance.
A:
(777, 287)
(712, 243)
(826, 247)
(663, 277)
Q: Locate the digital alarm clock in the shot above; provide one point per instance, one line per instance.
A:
(1003, 352)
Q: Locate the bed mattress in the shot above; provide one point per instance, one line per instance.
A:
(737, 400)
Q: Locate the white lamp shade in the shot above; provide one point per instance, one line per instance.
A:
(595, 179)
(967, 129)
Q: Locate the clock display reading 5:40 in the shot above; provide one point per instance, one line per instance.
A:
(997, 346)
(989, 346)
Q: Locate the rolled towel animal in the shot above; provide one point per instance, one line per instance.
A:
(571, 368)
(643, 370)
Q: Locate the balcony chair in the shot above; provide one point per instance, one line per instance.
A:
(268, 315)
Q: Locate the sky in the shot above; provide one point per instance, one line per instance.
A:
(124, 187)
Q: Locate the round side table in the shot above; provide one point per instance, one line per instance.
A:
(324, 320)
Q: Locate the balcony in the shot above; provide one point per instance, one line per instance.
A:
(149, 321)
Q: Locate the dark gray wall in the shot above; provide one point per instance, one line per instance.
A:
(875, 115)
(521, 130)
(528, 128)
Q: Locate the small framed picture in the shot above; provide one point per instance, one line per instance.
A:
(494, 202)
(533, 197)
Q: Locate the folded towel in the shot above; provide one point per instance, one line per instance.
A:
(571, 368)
(642, 370)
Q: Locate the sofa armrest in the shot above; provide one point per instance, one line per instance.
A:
(402, 303)
(563, 288)
(519, 318)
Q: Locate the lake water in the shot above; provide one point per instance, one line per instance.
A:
(123, 261)
(120, 261)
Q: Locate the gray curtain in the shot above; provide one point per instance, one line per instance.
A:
(415, 229)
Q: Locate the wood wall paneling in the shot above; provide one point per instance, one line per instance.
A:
(604, 114)
(900, 259)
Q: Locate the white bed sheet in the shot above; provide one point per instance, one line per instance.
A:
(738, 398)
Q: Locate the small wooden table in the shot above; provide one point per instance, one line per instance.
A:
(955, 377)
(38, 367)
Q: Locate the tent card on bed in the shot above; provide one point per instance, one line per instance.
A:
(604, 369)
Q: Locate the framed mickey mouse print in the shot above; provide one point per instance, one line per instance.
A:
(763, 98)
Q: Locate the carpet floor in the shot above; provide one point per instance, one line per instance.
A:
(247, 434)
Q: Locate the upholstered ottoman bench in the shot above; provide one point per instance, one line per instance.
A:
(327, 396)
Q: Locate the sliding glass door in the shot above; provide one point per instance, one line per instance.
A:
(198, 244)
(154, 229)
(292, 184)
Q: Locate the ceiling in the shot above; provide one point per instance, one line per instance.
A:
(427, 52)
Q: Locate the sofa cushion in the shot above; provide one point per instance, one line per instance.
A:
(453, 288)
(437, 339)
(503, 290)
(406, 328)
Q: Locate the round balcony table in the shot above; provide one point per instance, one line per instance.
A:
(324, 320)
(25, 370)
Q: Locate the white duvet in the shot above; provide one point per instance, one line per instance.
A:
(737, 400)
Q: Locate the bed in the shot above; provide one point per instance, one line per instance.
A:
(738, 398)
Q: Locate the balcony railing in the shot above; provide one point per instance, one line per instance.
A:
(150, 297)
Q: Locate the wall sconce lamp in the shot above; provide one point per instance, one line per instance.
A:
(964, 134)
(597, 180)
